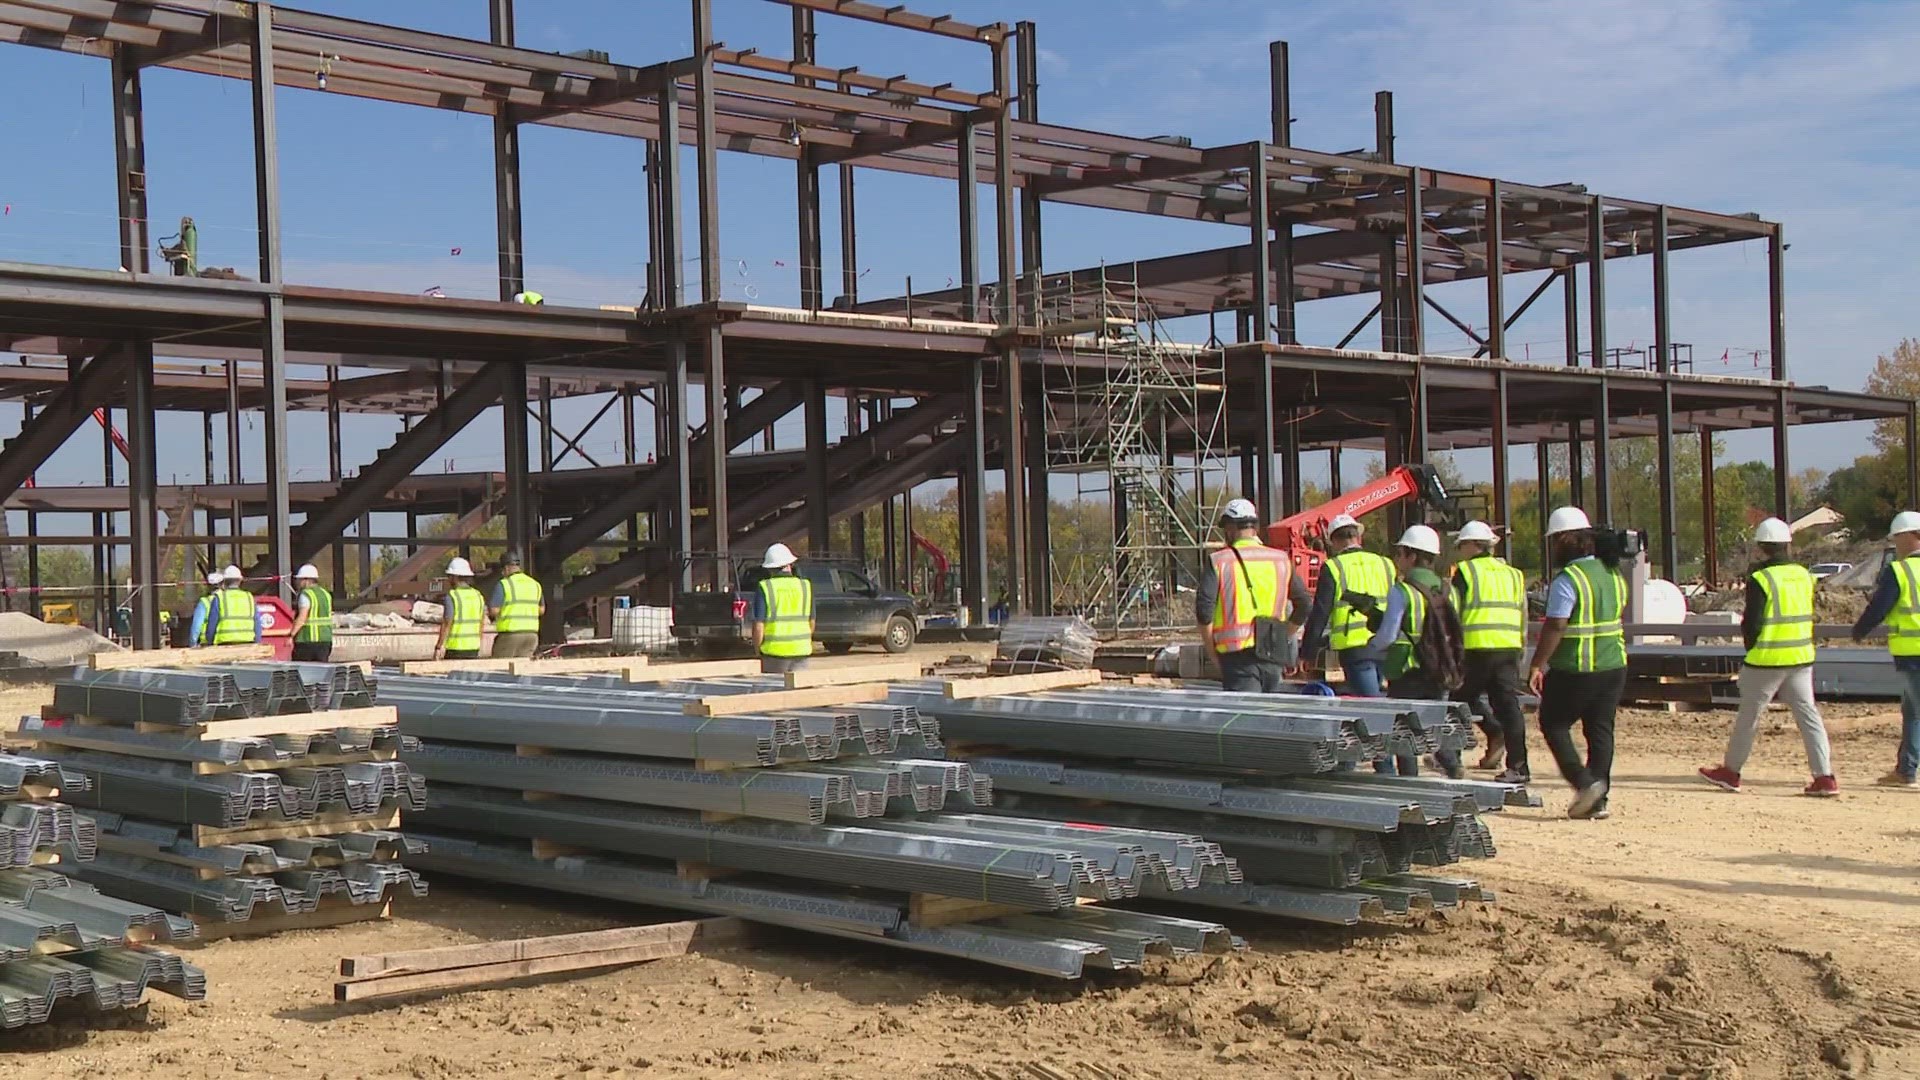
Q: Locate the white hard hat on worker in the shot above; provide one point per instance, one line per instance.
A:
(1772, 531)
(307, 572)
(1906, 521)
(1567, 519)
(1420, 538)
(459, 567)
(1477, 531)
(215, 577)
(1240, 511)
(231, 573)
(1344, 521)
(779, 557)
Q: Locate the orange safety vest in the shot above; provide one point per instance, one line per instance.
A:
(1242, 595)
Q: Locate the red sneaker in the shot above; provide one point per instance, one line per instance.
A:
(1722, 777)
(1823, 787)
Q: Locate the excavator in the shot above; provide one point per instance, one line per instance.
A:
(1304, 535)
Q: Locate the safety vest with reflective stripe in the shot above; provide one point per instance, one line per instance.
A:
(519, 605)
(235, 626)
(1356, 571)
(788, 629)
(319, 624)
(1903, 625)
(1786, 625)
(465, 607)
(1244, 595)
(1399, 659)
(1493, 605)
(1594, 639)
(203, 616)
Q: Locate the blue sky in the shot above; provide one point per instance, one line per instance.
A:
(1802, 112)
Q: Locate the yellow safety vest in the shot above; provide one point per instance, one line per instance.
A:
(465, 607)
(788, 629)
(1244, 594)
(519, 605)
(319, 624)
(236, 619)
(1363, 572)
(1903, 624)
(1786, 625)
(1493, 608)
(1594, 638)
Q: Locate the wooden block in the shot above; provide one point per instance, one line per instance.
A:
(857, 673)
(373, 716)
(326, 825)
(926, 910)
(356, 757)
(717, 817)
(466, 965)
(523, 750)
(547, 849)
(689, 870)
(326, 916)
(441, 667)
(209, 654)
(778, 700)
(539, 796)
(994, 685)
(698, 669)
(568, 665)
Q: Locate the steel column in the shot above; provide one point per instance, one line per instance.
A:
(807, 180)
(1496, 273)
(1006, 313)
(717, 448)
(1390, 298)
(1710, 534)
(1662, 313)
(1777, 301)
(506, 172)
(33, 532)
(975, 525)
(1602, 453)
(1669, 517)
(334, 470)
(1415, 320)
(1576, 466)
(1266, 453)
(206, 446)
(518, 503)
(130, 162)
(1039, 505)
(819, 521)
(142, 481)
(1279, 94)
(856, 522)
(707, 177)
(680, 460)
(1782, 461)
(273, 348)
(672, 256)
(1291, 494)
(1544, 472)
(1597, 280)
(1502, 482)
(1570, 304)
(1027, 107)
(968, 187)
(1261, 251)
(849, 245)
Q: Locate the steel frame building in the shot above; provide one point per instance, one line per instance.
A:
(969, 359)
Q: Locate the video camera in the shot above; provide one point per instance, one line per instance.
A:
(1613, 545)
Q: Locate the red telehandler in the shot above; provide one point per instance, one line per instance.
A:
(1304, 535)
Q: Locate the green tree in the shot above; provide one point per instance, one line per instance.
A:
(1897, 375)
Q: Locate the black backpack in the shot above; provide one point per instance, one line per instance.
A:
(1441, 653)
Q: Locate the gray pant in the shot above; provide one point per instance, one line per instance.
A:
(1793, 686)
(521, 644)
(780, 665)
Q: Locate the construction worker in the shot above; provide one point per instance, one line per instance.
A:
(462, 610)
(200, 630)
(781, 611)
(312, 617)
(1896, 602)
(1242, 581)
(1397, 643)
(1777, 627)
(1491, 598)
(1579, 665)
(235, 615)
(516, 606)
(529, 297)
(1351, 575)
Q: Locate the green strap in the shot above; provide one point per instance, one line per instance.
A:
(743, 792)
(988, 869)
(1220, 737)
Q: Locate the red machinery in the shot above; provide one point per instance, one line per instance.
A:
(119, 441)
(939, 560)
(1304, 534)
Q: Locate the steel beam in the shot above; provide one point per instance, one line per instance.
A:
(707, 178)
(975, 466)
(714, 390)
(1782, 460)
(1006, 313)
(1032, 236)
(1570, 306)
(273, 345)
(1039, 505)
(1777, 301)
(673, 251)
(969, 224)
(819, 524)
(1669, 517)
(1260, 249)
(1415, 269)
(1502, 482)
(1710, 555)
(678, 464)
(1496, 230)
(807, 178)
(1602, 450)
(1597, 281)
(142, 513)
(1542, 463)
(506, 171)
(1662, 312)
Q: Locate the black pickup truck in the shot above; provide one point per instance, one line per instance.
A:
(848, 610)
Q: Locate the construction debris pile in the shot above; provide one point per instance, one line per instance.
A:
(267, 793)
(60, 940)
(842, 819)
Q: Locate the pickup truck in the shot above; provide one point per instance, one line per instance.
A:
(848, 610)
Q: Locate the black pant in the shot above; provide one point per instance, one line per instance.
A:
(1591, 698)
(1242, 672)
(313, 651)
(1496, 673)
(1415, 686)
(462, 654)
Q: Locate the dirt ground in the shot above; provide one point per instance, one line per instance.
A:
(1696, 934)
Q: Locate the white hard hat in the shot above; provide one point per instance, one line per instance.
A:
(1239, 510)
(779, 557)
(1478, 531)
(459, 567)
(1773, 531)
(307, 572)
(1421, 538)
(231, 573)
(1905, 521)
(1344, 521)
(215, 577)
(1567, 519)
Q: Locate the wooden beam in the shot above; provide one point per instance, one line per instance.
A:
(441, 667)
(688, 933)
(161, 658)
(325, 825)
(992, 686)
(373, 716)
(886, 671)
(570, 665)
(698, 669)
(781, 700)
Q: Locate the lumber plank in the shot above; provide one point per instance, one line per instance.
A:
(75, 736)
(692, 669)
(548, 849)
(328, 825)
(354, 757)
(569, 665)
(778, 700)
(372, 716)
(994, 685)
(886, 671)
(671, 939)
(441, 667)
(340, 915)
(205, 654)
(410, 961)
(926, 910)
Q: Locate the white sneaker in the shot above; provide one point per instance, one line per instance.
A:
(1588, 800)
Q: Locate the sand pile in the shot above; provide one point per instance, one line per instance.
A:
(48, 644)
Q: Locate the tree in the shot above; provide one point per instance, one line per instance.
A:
(1897, 375)
(1869, 492)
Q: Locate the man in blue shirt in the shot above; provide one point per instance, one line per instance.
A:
(1896, 602)
(200, 631)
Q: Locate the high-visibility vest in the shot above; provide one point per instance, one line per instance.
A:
(788, 629)
(1399, 658)
(1786, 625)
(1493, 606)
(319, 624)
(1243, 595)
(203, 615)
(529, 297)
(1363, 572)
(1903, 624)
(519, 605)
(235, 626)
(465, 607)
(1594, 639)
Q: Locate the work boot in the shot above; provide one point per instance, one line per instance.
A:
(1496, 753)
(1724, 778)
(1823, 787)
(1588, 800)
(1512, 776)
(1898, 779)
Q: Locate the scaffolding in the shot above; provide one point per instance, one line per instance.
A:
(1114, 426)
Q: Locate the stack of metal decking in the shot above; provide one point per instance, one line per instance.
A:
(845, 819)
(260, 793)
(62, 942)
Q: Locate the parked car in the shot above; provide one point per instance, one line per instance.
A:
(1821, 570)
(848, 609)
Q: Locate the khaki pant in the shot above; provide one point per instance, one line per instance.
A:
(515, 645)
